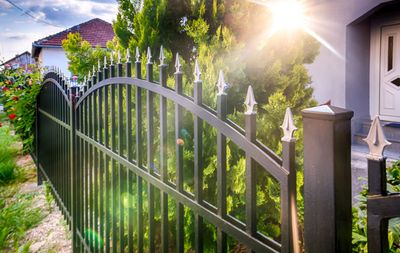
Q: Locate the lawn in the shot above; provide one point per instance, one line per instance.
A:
(17, 213)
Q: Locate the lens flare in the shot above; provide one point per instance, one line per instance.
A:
(290, 15)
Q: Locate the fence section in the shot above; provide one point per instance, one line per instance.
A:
(110, 139)
(53, 140)
(381, 204)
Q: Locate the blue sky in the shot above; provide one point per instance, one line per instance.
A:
(18, 30)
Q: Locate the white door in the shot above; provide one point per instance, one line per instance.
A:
(389, 97)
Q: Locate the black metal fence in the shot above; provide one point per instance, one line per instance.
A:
(96, 147)
(105, 149)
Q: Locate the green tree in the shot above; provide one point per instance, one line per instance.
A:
(81, 55)
(223, 35)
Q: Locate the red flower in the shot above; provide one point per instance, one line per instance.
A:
(12, 116)
(15, 98)
(6, 89)
(1, 124)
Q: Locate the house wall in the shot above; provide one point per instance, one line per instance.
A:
(54, 57)
(351, 42)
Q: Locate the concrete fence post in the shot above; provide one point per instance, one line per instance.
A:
(327, 179)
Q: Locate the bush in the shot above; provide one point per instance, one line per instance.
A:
(18, 91)
(7, 156)
(360, 243)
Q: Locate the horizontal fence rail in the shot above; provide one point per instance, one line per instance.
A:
(130, 177)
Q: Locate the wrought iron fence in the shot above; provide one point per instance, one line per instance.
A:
(106, 150)
(96, 146)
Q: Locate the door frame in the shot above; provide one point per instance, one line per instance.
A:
(375, 57)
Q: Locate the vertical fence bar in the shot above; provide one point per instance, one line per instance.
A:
(198, 165)
(251, 192)
(150, 151)
(290, 236)
(139, 153)
(377, 202)
(163, 156)
(87, 152)
(113, 166)
(73, 168)
(327, 179)
(96, 162)
(102, 75)
(179, 167)
(221, 172)
(377, 226)
(120, 168)
(129, 152)
(91, 164)
(107, 162)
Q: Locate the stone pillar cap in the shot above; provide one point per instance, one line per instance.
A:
(327, 112)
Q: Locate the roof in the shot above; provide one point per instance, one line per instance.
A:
(16, 57)
(96, 31)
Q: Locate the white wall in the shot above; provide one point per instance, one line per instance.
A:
(54, 57)
(328, 71)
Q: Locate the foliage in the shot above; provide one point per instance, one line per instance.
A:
(48, 196)
(16, 212)
(81, 55)
(7, 156)
(16, 218)
(228, 36)
(19, 89)
(360, 243)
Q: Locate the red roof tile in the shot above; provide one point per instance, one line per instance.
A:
(95, 31)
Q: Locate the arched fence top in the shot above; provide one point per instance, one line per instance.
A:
(53, 78)
(263, 155)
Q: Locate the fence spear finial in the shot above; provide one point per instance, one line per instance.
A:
(376, 139)
(137, 54)
(148, 55)
(250, 101)
(288, 126)
(98, 65)
(128, 55)
(221, 85)
(119, 56)
(177, 64)
(162, 56)
(105, 61)
(197, 72)
(89, 75)
(94, 70)
(112, 58)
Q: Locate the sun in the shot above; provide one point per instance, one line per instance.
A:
(290, 15)
(287, 14)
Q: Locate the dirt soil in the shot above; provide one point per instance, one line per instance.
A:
(51, 234)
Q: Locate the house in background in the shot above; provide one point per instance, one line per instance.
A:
(20, 61)
(49, 52)
(360, 69)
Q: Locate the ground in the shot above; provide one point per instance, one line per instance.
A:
(51, 234)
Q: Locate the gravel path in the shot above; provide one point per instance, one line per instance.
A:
(51, 234)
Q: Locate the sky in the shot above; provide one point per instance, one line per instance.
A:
(18, 29)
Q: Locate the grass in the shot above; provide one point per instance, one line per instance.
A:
(8, 153)
(17, 213)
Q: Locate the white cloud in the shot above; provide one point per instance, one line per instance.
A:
(91, 9)
(5, 4)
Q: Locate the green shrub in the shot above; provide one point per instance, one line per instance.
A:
(7, 156)
(360, 242)
(18, 91)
